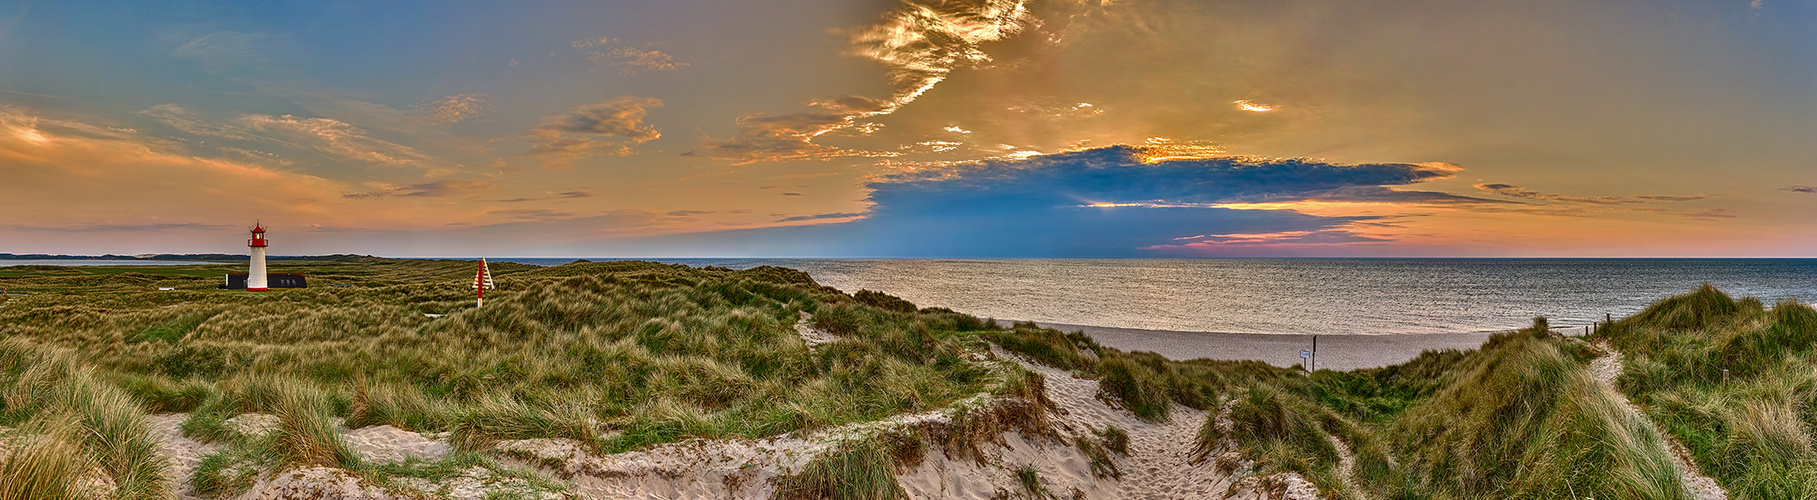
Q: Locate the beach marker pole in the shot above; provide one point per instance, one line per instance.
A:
(1315, 353)
(481, 282)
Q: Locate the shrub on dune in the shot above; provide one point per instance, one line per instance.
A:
(856, 470)
(1138, 386)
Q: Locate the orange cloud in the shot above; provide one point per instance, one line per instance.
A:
(920, 44)
(453, 109)
(607, 128)
(334, 139)
(630, 59)
(68, 175)
(64, 173)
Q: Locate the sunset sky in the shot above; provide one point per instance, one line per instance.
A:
(835, 128)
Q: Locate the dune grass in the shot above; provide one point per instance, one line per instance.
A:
(1732, 380)
(46, 462)
(861, 469)
(625, 355)
(619, 355)
(1029, 478)
(615, 355)
(1519, 418)
(1524, 419)
(1098, 450)
(79, 436)
(227, 472)
(1145, 383)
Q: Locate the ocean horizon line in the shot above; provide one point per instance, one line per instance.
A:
(165, 257)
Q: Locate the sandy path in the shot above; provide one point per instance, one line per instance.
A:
(1160, 462)
(1697, 485)
(1158, 465)
(1336, 352)
(182, 454)
(374, 444)
(810, 335)
(1346, 465)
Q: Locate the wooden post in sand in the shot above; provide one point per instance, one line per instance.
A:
(1315, 354)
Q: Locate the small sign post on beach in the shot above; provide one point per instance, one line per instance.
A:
(1305, 356)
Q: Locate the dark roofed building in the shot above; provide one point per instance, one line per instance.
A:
(237, 281)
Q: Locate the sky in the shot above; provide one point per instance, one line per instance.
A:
(962, 128)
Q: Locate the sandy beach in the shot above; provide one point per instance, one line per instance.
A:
(1336, 352)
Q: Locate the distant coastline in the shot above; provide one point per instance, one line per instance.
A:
(1261, 296)
(190, 257)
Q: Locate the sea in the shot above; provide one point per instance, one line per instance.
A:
(1296, 296)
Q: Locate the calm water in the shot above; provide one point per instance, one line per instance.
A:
(41, 262)
(1323, 296)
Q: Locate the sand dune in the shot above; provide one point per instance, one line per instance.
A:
(1160, 463)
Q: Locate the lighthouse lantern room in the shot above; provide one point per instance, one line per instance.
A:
(255, 275)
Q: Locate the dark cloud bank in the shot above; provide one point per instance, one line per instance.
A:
(1043, 207)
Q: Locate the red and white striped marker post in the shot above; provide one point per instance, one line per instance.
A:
(481, 283)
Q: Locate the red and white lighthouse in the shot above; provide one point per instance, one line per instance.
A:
(255, 276)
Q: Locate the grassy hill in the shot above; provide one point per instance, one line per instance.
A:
(1735, 381)
(626, 355)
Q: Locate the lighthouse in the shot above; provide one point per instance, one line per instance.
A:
(255, 276)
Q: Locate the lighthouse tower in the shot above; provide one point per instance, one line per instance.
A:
(255, 277)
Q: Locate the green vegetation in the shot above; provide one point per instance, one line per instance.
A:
(1519, 418)
(1733, 380)
(883, 301)
(72, 423)
(1030, 479)
(226, 473)
(857, 470)
(616, 355)
(1525, 419)
(1116, 439)
(1098, 451)
(626, 355)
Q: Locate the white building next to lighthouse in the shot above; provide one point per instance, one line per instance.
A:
(255, 275)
